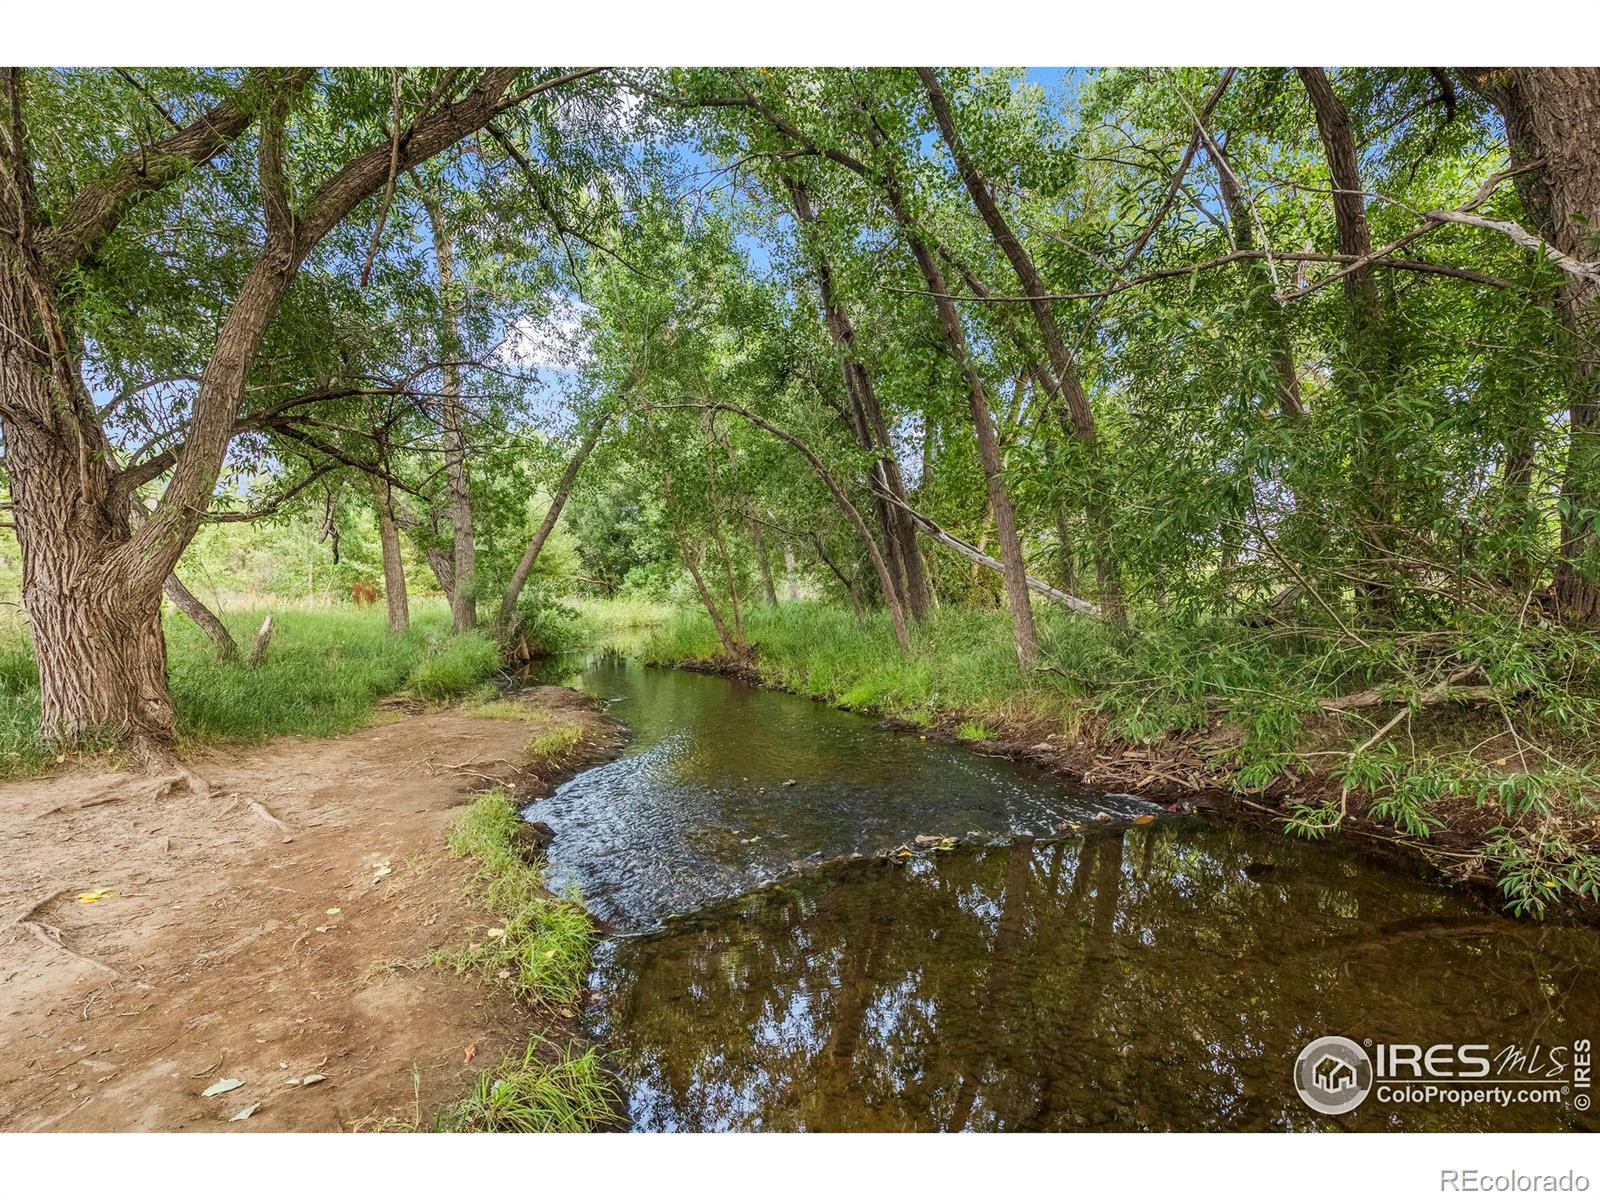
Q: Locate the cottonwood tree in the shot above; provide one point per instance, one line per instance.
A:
(319, 145)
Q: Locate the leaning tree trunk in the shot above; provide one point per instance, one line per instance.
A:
(569, 476)
(210, 624)
(394, 572)
(1064, 385)
(897, 616)
(904, 556)
(1015, 575)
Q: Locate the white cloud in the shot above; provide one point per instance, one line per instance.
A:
(556, 339)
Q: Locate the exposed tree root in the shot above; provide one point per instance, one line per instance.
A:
(153, 789)
(48, 935)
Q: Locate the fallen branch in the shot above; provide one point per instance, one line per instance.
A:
(1371, 697)
(1432, 696)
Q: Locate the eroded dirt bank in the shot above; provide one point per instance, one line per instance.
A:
(154, 943)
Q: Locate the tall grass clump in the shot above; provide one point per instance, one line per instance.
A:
(21, 752)
(540, 944)
(554, 1092)
(453, 668)
(961, 661)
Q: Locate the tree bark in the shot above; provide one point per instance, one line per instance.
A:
(1369, 365)
(769, 588)
(569, 476)
(464, 557)
(394, 572)
(896, 614)
(1552, 115)
(1014, 573)
(732, 647)
(1266, 307)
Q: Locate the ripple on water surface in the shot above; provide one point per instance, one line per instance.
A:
(724, 785)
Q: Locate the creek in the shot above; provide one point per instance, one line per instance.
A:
(1052, 971)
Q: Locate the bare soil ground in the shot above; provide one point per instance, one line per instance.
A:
(154, 942)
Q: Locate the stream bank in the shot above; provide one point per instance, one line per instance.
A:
(1192, 773)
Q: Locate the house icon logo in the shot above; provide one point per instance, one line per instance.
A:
(1333, 1075)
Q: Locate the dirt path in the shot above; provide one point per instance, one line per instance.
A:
(225, 947)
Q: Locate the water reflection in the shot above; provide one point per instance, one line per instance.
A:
(724, 786)
(1160, 979)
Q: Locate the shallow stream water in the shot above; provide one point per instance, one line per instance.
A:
(1152, 976)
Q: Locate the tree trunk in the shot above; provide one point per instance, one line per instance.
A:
(439, 560)
(900, 542)
(791, 580)
(1368, 366)
(1262, 303)
(96, 625)
(769, 589)
(394, 572)
(1553, 114)
(897, 617)
(91, 583)
(1064, 385)
(569, 476)
(191, 606)
(1024, 632)
(731, 646)
(729, 577)
(463, 597)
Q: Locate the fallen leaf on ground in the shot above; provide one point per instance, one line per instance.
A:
(334, 912)
(472, 1048)
(311, 1079)
(1144, 819)
(244, 1114)
(91, 897)
(222, 1085)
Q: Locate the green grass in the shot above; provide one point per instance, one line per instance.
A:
(550, 745)
(325, 670)
(453, 667)
(539, 945)
(547, 1090)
